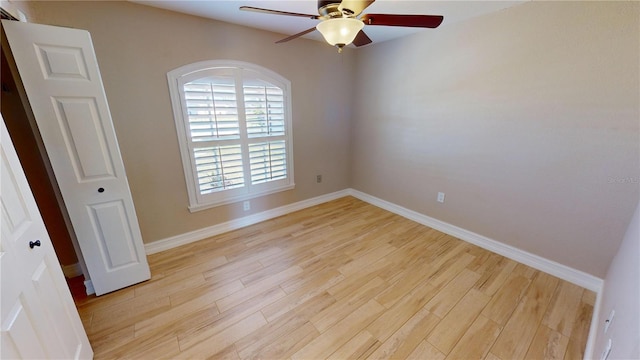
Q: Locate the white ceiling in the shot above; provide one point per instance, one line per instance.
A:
(227, 10)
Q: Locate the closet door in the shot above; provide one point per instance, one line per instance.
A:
(60, 74)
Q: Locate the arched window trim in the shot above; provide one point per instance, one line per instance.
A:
(184, 74)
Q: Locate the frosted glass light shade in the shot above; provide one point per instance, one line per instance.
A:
(340, 31)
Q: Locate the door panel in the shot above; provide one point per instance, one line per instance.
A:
(17, 335)
(112, 228)
(59, 62)
(38, 317)
(55, 310)
(86, 142)
(60, 74)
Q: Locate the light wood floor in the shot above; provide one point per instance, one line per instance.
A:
(341, 280)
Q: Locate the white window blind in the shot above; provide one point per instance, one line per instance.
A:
(268, 161)
(236, 132)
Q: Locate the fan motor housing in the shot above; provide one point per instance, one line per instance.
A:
(329, 8)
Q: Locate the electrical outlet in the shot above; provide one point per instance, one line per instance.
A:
(607, 323)
(441, 197)
(246, 206)
(318, 179)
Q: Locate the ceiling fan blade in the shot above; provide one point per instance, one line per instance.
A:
(361, 39)
(277, 12)
(424, 21)
(295, 35)
(355, 6)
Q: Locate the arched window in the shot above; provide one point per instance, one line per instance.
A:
(234, 127)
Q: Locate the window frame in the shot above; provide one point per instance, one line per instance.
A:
(184, 74)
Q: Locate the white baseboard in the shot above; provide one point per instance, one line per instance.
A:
(192, 236)
(563, 272)
(88, 285)
(537, 262)
(589, 352)
(71, 271)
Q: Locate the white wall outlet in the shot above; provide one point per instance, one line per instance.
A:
(440, 197)
(246, 206)
(609, 320)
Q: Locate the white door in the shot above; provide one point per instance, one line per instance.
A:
(38, 317)
(59, 70)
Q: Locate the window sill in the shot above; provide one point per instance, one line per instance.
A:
(199, 207)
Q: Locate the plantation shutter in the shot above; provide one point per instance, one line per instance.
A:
(213, 116)
(237, 131)
(265, 118)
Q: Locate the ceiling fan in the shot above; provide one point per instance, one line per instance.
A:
(342, 23)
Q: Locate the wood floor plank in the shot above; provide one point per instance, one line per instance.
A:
(369, 257)
(484, 260)
(526, 271)
(311, 289)
(563, 308)
(229, 353)
(437, 274)
(170, 284)
(580, 332)
(426, 351)
(404, 341)
(453, 326)
(409, 279)
(345, 287)
(287, 345)
(447, 271)
(194, 264)
(491, 356)
(491, 281)
(359, 347)
(393, 319)
(449, 296)
(343, 307)
(93, 303)
(589, 297)
(336, 336)
(343, 279)
(256, 289)
(262, 342)
(232, 271)
(477, 340)
(113, 339)
(210, 344)
(115, 318)
(208, 287)
(157, 347)
(506, 299)
(547, 344)
(228, 318)
(175, 314)
(267, 270)
(514, 340)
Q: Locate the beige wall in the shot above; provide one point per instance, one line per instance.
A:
(137, 45)
(527, 119)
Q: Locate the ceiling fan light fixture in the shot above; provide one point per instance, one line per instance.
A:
(340, 31)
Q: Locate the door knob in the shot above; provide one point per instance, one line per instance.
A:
(33, 244)
(100, 190)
